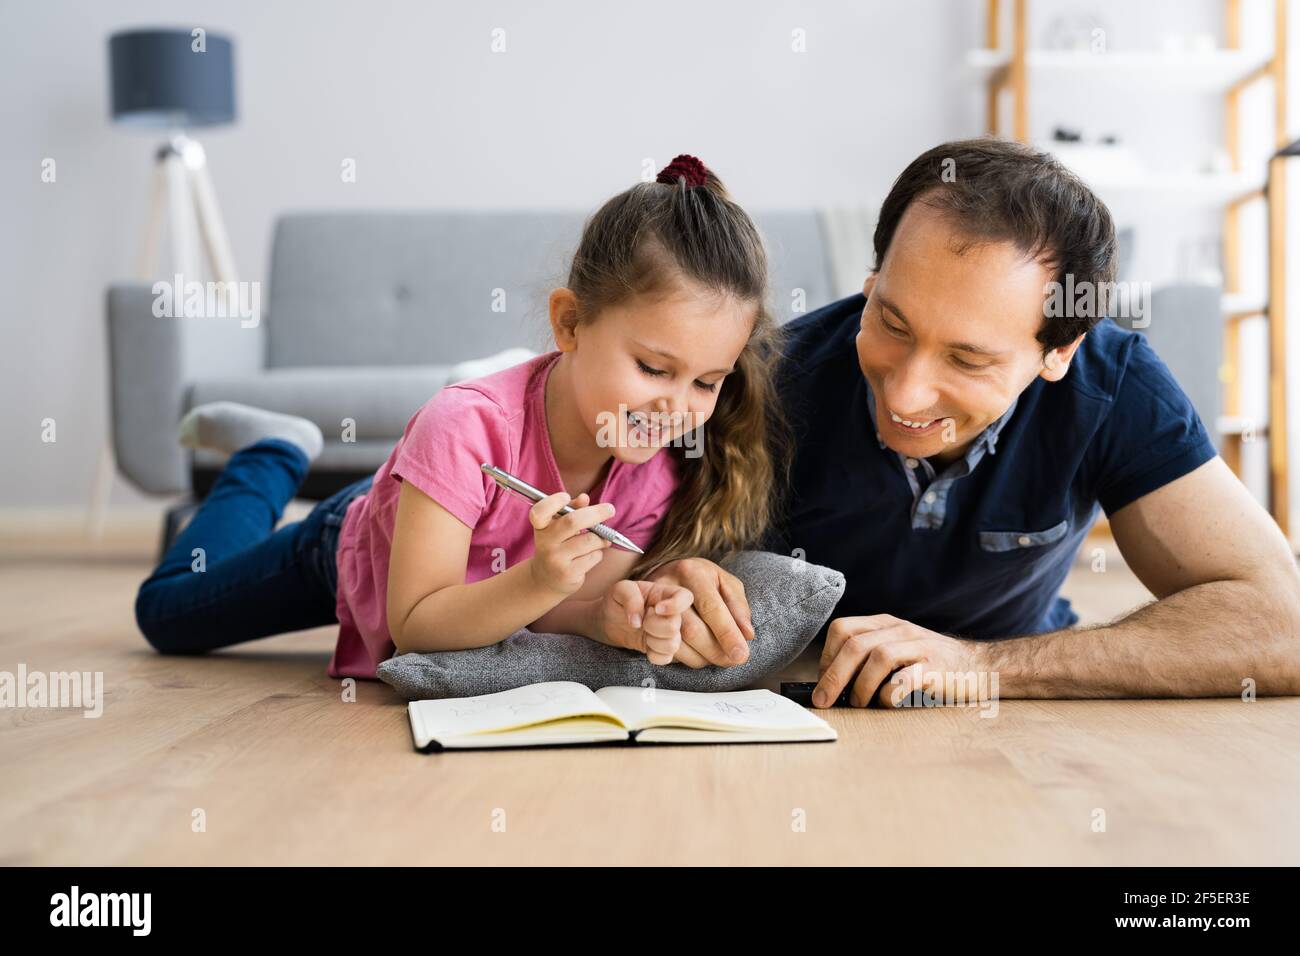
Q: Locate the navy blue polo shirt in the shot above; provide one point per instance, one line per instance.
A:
(981, 546)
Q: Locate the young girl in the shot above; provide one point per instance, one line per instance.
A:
(660, 330)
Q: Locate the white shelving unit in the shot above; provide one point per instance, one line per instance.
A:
(1222, 72)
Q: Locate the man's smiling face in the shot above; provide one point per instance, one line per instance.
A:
(948, 336)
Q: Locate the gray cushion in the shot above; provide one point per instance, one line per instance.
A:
(335, 456)
(380, 400)
(789, 600)
(1185, 327)
(396, 288)
(399, 288)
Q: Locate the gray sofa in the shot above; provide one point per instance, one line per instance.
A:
(366, 315)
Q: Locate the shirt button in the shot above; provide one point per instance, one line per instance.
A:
(929, 497)
(912, 463)
(1024, 540)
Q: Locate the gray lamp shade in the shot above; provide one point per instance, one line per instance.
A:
(159, 80)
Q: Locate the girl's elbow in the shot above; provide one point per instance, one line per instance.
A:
(397, 619)
(409, 636)
(404, 642)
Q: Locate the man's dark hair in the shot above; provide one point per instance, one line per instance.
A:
(994, 190)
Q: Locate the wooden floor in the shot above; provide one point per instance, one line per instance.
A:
(258, 744)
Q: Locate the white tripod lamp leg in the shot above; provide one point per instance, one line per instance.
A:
(180, 201)
(100, 489)
(148, 261)
(211, 227)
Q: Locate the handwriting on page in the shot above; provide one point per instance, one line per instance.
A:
(732, 708)
(527, 702)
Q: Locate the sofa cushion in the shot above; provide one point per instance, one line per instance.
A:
(380, 400)
(395, 288)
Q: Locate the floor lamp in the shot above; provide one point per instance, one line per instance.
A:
(176, 80)
(172, 80)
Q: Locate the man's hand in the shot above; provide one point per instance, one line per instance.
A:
(865, 651)
(716, 627)
(644, 616)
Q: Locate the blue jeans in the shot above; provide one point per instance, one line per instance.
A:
(230, 576)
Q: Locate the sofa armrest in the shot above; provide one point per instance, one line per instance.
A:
(152, 363)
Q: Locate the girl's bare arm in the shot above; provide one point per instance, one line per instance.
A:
(430, 608)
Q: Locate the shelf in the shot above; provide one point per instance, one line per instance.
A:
(1238, 426)
(1139, 188)
(1203, 188)
(1210, 71)
(1244, 303)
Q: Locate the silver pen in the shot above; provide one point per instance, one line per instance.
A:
(521, 487)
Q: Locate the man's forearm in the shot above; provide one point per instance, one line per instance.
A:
(1201, 642)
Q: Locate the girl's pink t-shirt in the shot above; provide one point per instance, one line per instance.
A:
(499, 419)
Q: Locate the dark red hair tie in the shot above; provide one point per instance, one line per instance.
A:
(684, 167)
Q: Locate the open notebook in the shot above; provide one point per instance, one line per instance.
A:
(563, 712)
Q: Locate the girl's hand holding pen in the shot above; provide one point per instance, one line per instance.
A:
(645, 616)
(564, 551)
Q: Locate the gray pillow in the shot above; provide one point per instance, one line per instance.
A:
(789, 600)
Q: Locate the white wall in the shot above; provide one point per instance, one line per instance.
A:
(412, 92)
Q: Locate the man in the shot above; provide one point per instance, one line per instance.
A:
(957, 432)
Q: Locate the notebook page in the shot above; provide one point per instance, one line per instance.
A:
(754, 709)
(508, 709)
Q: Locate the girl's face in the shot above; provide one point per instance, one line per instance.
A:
(649, 370)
